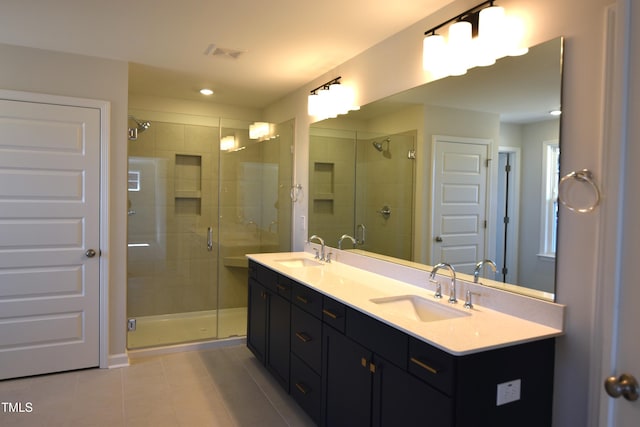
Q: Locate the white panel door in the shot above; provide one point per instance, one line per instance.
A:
(49, 223)
(459, 202)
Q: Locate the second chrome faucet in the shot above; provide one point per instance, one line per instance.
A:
(320, 256)
(452, 294)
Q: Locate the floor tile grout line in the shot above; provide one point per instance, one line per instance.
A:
(264, 392)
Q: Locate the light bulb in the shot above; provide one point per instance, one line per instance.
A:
(433, 55)
(459, 47)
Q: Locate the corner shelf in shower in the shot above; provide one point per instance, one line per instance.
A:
(239, 261)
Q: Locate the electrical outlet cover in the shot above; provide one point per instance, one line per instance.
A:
(508, 392)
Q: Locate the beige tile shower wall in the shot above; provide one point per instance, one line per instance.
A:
(331, 187)
(173, 209)
(387, 179)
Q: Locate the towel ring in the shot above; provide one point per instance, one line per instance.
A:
(584, 175)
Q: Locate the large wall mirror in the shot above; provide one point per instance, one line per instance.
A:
(458, 170)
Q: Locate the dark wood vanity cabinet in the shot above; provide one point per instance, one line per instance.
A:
(269, 320)
(345, 368)
(367, 383)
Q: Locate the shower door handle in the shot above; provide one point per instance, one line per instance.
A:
(209, 239)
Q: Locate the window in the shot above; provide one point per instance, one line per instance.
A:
(550, 179)
(133, 181)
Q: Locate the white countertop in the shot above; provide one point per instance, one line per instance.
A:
(484, 329)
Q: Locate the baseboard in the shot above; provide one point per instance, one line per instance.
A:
(118, 360)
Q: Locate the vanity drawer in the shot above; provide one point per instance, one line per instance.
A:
(253, 269)
(333, 313)
(267, 277)
(306, 338)
(431, 365)
(307, 299)
(284, 286)
(306, 388)
(388, 342)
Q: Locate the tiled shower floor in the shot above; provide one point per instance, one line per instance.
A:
(153, 331)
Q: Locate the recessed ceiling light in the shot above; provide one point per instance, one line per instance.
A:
(206, 92)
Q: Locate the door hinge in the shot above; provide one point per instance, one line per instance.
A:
(411, 154)
(506, 220)
(507, 168)
(505, 271)
(131, 325)
(487, 162)
(485, 223)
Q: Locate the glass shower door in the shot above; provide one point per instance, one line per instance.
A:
(172, 214)
(255, 211)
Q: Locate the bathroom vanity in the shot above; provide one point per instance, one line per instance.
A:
(355, 348)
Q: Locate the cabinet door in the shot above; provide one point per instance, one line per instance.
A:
(257, 320)
(278, 333)
(400, 399)
(348, 381)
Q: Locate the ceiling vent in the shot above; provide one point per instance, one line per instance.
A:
(222, 52)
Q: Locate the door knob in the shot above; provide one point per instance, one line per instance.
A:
(90, 253)
(438, 239)
(625, 385)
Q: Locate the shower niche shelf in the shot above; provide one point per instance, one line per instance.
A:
(323, 187)
(188, 184)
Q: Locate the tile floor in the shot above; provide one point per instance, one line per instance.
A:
(225, 386)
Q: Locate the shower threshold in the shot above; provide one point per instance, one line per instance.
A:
(176, 328)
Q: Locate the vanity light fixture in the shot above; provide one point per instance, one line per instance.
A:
(476, 37)
(227, 143)
(261, 131)
(330, 99)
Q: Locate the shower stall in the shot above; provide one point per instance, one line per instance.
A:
(201, 196)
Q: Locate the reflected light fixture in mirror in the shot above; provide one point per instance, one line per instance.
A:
(331, 99)
(477, 37)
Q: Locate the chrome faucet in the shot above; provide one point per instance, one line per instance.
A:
(452, 295)
(346, 236)
(479, 265)
(321, 240)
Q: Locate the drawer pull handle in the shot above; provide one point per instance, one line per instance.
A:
(281, 288)
(302, 299)
(363, 362)
(303, 337)
(302, 388)
(330, 314)
(424, 365)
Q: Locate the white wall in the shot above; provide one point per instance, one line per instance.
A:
(34, 70)
(395, 65)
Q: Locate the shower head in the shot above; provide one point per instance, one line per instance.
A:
(379, 145)
(142, 126)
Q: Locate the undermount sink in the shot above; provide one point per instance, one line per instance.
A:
(418, 308)
(298, 262)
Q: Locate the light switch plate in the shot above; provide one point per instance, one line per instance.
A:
(508, 392)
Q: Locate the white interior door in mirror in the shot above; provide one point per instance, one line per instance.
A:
(459, 201)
